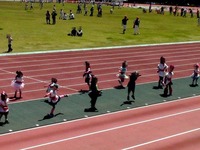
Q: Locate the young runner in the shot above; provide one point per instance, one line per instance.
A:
(87, 74)
(122, 73)
(168, 81)
(49, 87)
(162, 68)
(53, 98)
(18, 84)
(4, 109)
(195, 75)
(131, 84)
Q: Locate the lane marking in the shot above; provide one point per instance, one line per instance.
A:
(100, 48)
(162, 139)
(111, 129)
(101, 115)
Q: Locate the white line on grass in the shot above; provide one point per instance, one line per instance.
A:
(100, 48)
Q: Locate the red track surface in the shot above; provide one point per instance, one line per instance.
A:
(153, 127)
(160, 125)
(68, 67)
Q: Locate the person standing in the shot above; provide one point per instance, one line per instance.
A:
(136, 24)
(48, 15)
(131, 84)
(92, 10)
(53, 15)
(124, 24)
(168, 81)
(195, 75)
(18, 84)
(94, 94)
(4, 109)
(10, 39)
(197, 13)
(162, 68)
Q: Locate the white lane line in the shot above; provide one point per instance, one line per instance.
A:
(111, 129)
(162, 139)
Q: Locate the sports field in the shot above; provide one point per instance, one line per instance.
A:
(152, 122)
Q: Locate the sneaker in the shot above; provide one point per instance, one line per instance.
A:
(90, 110)
(51, 115)
(6, 122)
(128, 98)
(133, 96)
(120, 82)
(66, 95)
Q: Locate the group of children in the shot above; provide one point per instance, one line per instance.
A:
(164, 71)
(18, 85)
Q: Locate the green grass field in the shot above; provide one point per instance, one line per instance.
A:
(31, 33)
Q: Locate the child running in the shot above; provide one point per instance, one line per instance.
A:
(49, 87)
(168, 81)
(4, 110)
(18, 84)
(131, 84)
(195, 75)
(54, 98)
(162, 68)
(122, 73)
(87, 74)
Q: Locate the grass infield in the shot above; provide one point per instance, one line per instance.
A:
(31, 33)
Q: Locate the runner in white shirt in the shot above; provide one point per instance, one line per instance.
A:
(162, 68)
(53, 98)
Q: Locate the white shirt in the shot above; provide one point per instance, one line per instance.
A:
(162, 69)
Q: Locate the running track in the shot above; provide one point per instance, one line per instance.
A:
(156, 127)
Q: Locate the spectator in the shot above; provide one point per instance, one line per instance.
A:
(65, 16)
(71, 15)
(61, 14)
(92, 10)
(124, 23)
(73, 32)
(9, 43)
(48, 15)
(136, 26)
(197, 13)
(54, 14)
(80, 32)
